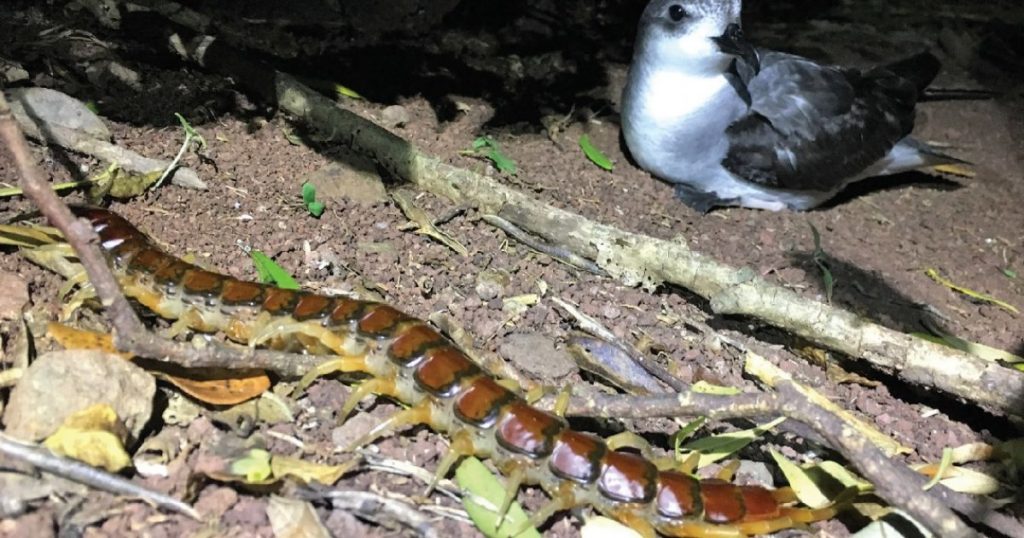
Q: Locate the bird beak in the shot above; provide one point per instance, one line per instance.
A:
(733, 42)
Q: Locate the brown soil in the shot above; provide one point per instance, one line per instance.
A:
(458, 80)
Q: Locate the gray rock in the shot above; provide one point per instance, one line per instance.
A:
(535, 354)
(61, 383)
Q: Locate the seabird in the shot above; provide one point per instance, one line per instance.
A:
(735, 125)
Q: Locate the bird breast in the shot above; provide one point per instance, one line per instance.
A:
(674, 121)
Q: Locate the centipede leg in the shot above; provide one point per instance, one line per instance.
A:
(420, 413)
(699, 529)
(346, 365)
(460, 447)
(562, 498)
(630, 440)
(514, 476)
(281, 328)
(381, 387)
(728, 471)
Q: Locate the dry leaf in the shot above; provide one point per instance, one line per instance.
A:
(306, 472)
(213, 386)
(94, 435)
(294, 519)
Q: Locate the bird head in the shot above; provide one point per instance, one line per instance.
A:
(696, 36)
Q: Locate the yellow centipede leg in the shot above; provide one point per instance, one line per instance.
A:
(728, 471)
(418, 414)
(561, 499)
(381, 387)
(515, 476)
(630, 440)
(461, 446)
(345, 365)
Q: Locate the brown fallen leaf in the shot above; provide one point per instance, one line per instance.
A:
(209, 385)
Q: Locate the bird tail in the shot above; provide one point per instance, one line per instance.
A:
(920, 69)
(911, 154)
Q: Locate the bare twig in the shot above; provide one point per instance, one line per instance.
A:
(376, 508)
(557, 252)
(81, 473)
(130, 335)
(894, 482)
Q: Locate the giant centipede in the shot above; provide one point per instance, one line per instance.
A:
(405, 359)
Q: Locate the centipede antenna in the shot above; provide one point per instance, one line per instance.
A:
(418, 414)
(630, 440)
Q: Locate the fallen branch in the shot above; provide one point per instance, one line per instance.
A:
(634, 259)
(894, 481)
(81, 473)
(130, 335)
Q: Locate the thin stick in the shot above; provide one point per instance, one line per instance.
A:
(559, 253)
(130, 335)
(376, 508)
(79, 472)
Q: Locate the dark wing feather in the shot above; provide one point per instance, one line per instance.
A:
(811, 126)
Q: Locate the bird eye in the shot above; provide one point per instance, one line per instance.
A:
(676, 12)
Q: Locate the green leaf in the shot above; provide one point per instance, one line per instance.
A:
(314, 207)
(821, 260)
(686, 431)
(271, 272)
(254, 466)
(595, 155)
(483, 488)
(1010, 273)
(345, 91)
(978, 350)
(487, 147)
(190, 132)
(719, 447)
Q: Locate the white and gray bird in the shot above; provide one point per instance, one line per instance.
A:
(735, 125)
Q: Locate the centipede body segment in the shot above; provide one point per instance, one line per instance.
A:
(408, 360)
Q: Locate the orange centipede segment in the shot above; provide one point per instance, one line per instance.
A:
(577, 456)
(627, 478)
(573, 467)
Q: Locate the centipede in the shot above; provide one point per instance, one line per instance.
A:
(404, 358)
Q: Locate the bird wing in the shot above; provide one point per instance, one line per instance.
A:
(810, 127)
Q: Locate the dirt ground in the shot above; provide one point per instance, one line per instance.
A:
(505, 72)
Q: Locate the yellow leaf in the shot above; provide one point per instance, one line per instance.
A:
(707, 388)
(960, 479)
(306, 472)
(72, 338)
(801, 483)
(954, 170)
(969, 292)
(93, 435)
